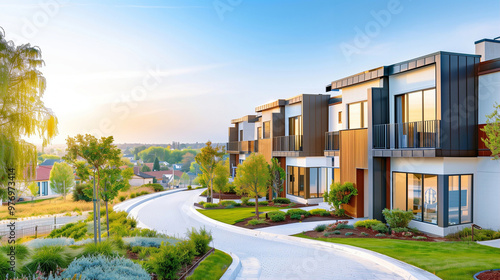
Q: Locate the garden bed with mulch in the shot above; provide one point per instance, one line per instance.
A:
(294, 205)
(288, 220)
(493, 274)
(361, 232)
(225, 196)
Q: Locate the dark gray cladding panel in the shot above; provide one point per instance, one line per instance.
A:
(380, 181)
(380, 103)
(457, 90)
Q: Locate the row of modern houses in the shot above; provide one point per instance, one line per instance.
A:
(408, 135)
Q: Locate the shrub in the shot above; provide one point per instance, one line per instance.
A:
(336, 232)
(400, 229)
(186, 251)
(79, 192)
(263, 203)
(227, 202)
(379, 234)
(73, 230)
(291, 204)
(104, 248)
(21, 251)
(47, 259)
(201, 239)
(250, 203)
(381, 228)
(189, 187)
(328, 233)
(320, 228)
(133, 195)
(325, 214)
(229, 207)
(166, 262)
(349, 233)
(38, 243)
(340, 194)
(419, 237)
(318, 211)
(237, 204)
(201, 203)
(281, 200)
(276, 216)
(479, 234)
(297, 211)
(296, 216)
(256, 221)
(210, 205)
(122, 198)
(336, 225)
(364, 233)
(344, 226)
(367, 223)
(104, 268)
(5, 268)
(156, 187)
(244, 200)
(397, 218)
(148, 241)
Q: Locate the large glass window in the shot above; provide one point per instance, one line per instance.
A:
(266, 130)
(399, 189)
(307, 182)
(358, 115)
(416, 106)
(415, 194)
(294, 127)
(459, 199)
(430, 199)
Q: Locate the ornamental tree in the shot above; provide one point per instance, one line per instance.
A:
(208, 159)
(492, 130)
(278, 176)
(221, 178)
(252, 178)
(22, 111)
(156, 165)
(339, 195)
(61, 178)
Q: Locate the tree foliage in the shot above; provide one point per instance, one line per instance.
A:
(22, 111)
(278, 176)
(339, 195)
(185, 178)
(145, 168)
(61, 178)
(156, 165)
(492, 130)
(33, 188)
(221, 178)
(252, 178)
(208, 159)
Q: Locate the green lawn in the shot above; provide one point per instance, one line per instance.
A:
(234, 215)
(448, 260)
(213, 267)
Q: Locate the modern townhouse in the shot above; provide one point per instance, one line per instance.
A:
(408, 136)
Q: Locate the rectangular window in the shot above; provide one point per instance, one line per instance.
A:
(358, 115)
(416, 106)
(241, 135)
(313, 182)
(259, 132)
(340, 117)
(399, 190)
(430, 199)
(415, 195)
(459, 199)
(307, 182)
(266, 130)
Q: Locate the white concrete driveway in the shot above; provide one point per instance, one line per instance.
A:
(267, 256)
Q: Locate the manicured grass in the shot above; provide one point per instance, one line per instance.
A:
(233, 215)
(213, 267)
(448, 260)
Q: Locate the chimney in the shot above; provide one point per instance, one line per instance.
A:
(488, 49)
(136, 169)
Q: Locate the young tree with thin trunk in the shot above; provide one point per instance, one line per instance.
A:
(61, 178)
(33, 187)
(98, 153)
(221, 178)
(278, 176)
(252, 178)
(22, 111)
(492, 130)
(208, 159)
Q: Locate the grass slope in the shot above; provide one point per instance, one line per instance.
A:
(448, 260)
(234, 215)
(213, 267)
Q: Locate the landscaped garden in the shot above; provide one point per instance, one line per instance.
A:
(129, 253)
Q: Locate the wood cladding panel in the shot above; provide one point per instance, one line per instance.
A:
(354, 154)
(265, 148)
(233, 134)
(314, 123)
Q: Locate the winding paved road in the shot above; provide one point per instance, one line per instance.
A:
(261, 257)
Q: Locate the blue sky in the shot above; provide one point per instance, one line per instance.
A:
(162, 71)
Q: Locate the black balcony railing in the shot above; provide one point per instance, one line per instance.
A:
(232, 146)
(287, 143)
(332, 141)
(424, 134)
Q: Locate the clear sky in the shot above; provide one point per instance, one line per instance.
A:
(162, 71)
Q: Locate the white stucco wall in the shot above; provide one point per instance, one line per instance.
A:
(488, 94)
(333, 117)
(249, 131)
(291, 111)
(417, 79)
(309, 161)
(355, 94)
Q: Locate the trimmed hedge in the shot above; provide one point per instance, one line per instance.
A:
(281, 200)
(210, 205)
(276, 216)
(297, 212)
(367, 223)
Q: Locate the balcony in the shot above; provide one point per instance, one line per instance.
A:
(232, 147)
(332, 141)
(243, 147)
(413, 135)
(292, 143)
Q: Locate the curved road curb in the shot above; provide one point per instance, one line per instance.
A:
(233, 270)
(127, 206)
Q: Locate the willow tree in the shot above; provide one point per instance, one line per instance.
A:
(22, 111)
(98, 153)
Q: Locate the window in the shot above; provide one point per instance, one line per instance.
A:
(294, 126)
(358, 115)
(307, 182)
(340, 117)
(266, 130)
(241, 135)
(259, 132)
(459, 199)
(418, 193)
(416, 106)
